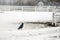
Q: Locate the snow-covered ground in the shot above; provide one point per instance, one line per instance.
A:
(9, 22)
(10, 32)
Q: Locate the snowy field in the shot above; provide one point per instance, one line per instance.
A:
(9, 22)
(10, 32)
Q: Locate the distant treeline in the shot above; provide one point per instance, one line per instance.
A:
(30, 2)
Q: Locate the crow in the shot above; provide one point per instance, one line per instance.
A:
(21, 26)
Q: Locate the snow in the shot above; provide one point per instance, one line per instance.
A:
(8, 30)
(32, 34)
(14, 16)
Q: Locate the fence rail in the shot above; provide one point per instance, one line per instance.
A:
(30, 8)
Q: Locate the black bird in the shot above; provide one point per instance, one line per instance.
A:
(21, 26)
